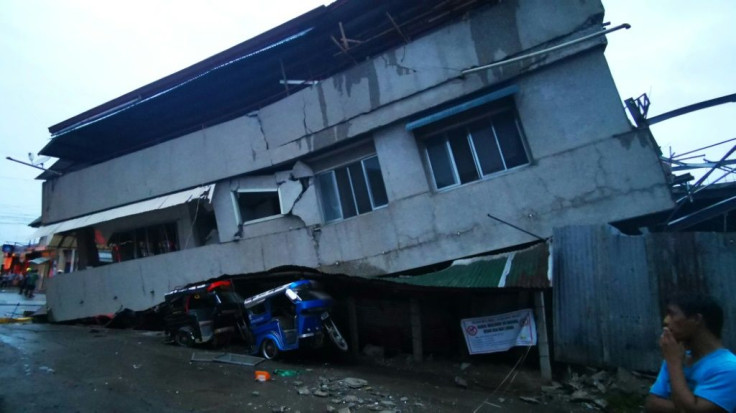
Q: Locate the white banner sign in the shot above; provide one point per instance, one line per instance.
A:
(499, 332)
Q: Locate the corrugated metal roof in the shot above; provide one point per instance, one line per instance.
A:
(528, 268)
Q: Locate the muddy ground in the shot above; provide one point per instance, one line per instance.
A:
(62, 368)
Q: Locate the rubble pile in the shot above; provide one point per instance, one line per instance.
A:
(594, 389)
(350, 394)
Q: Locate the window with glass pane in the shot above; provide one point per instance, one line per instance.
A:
(473, 145)
(352, 189)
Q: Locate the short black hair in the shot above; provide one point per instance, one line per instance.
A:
(698, 303)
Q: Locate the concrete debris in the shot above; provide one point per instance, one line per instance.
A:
(46, 369)
(591, 387)
(351, 394)
(320, 393)
(580, 396)
(461, 382)
(355, 383)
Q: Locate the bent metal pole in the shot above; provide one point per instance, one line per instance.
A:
(548, 50)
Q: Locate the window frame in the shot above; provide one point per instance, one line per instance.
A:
(236, 205)
(489, 110)
(333, 182)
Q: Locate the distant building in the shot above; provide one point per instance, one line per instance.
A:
(350, 140)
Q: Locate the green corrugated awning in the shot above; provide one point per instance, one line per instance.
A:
(528, 268)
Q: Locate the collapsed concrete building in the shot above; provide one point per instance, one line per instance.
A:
(362, 138)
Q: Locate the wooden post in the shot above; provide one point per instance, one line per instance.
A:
(545, 365)
(416, 330)
(353, 320)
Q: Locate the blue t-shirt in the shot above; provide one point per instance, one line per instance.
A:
(712, 378)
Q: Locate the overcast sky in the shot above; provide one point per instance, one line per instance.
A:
(62, 57)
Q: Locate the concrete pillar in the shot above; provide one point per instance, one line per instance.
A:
(353, 325)
(416, 330)
(87, 248)
(545, 364)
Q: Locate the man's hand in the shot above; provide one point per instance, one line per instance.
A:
(672, 351)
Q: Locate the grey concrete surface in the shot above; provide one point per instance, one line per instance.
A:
(60, 368)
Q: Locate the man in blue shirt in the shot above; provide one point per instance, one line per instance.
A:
(698, 373)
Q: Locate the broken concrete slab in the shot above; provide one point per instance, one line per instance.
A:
(289, 192)
(301, 170)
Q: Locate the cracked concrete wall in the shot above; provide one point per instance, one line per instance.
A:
(200, 157)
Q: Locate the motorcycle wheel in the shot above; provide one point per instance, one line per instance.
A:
(335, 335)
(269, 349)
(184, 338)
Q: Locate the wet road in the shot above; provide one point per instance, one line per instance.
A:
(60, 368)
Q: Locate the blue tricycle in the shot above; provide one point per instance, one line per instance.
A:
(290, 316)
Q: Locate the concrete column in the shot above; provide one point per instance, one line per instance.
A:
(87, 248)
(545, 365)
(353, 325)
(416, 330)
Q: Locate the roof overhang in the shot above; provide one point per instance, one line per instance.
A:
(162, 202)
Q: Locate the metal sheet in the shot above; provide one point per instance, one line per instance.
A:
(526, 268)
(609, 290)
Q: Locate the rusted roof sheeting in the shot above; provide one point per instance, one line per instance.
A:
(527, 268)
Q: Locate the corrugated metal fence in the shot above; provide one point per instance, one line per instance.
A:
(609, 289)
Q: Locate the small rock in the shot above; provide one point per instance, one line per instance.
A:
(354, 383)
(387, 403)
(601, 403)
(303, 391)
(350, 399)
(461, 382)
(298, 383)
(320, 393)
(255, 394)
(580, 396)
(527, 399)
(345, 410)
(330, 409)
(404, 399)
(464, 366)
(280, 409)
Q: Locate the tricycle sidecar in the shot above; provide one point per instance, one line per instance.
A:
(291, 316)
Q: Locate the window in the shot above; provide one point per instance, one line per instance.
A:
(351, 190)
(478, 143)
(252, 205)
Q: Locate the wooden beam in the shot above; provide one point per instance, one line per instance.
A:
(416, 330)
(353, 326)
(545, 364)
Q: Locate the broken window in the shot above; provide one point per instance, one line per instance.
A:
(256, 204)
(350, 190)
(478, 143)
